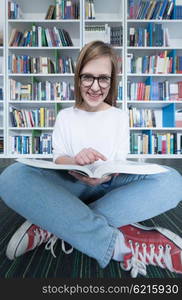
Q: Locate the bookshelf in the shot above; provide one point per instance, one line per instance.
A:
(50, 79)
(107, 24)
(2, 82)
(150, 83)
(46, 84)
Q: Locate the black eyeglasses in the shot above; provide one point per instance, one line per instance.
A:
(87, 80)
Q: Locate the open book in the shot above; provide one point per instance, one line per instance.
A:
(99, 169)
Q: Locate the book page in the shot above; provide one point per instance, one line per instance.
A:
(128, 167)
(39, 163)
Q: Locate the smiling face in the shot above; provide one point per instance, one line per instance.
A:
(93, 96)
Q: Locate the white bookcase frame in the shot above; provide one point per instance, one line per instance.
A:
(113, 13)
(176, 37)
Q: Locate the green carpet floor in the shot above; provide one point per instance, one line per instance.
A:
(40, 263)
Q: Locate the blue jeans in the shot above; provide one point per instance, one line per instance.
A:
(87, 217)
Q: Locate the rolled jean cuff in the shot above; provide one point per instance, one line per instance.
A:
(109, 253)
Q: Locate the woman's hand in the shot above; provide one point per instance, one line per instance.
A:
(88, 156)
(88, 180)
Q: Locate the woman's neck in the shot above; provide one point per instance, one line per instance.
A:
(84, 106)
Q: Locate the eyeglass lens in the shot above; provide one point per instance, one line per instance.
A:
(88, 80)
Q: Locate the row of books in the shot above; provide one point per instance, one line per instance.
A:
(28, 118)
(38, 90)
(89, 9)
(150, 9)
(178, 12)
(157, 117)
(39, 36)
(1, 144)
(140, 143)
(162, 63)
(63, 9)
(1, 38)
(144, 117)
(52, 91)
(42, 64)
(64, 65)
(14, 10)
(120, 91)
(156, 143)
(46, 91)
(152, 36)
(45, 117)
(137, 9)
(1, 116)
(28, 64)
(98, 32)
(29, 144)
(1, 93)
(153, 90)
(109, 34)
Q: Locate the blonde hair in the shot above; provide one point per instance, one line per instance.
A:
(89, 52)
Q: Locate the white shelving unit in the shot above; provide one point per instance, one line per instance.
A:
(34, 13)
(175, 43)
(111, 14)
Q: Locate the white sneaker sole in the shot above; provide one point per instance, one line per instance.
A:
(166, 232)
(16, 240)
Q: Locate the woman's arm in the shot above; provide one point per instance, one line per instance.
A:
(84, 157)
(65, 160)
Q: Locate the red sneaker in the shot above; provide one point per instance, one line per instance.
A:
(151, 246)
(27, 238)
(30, 236)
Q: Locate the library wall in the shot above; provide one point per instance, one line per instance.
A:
(43, 39)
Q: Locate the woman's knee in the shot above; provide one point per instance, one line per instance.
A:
(12, 176)
(172, 183)
(173, 176)
(14, 171)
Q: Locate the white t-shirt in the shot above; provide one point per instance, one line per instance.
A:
(106, 131)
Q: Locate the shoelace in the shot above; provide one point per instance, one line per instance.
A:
(41, 236)
(137, 264)
(50, 246)
(45, 236)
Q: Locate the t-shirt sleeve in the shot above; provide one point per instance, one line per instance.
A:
(123, 137)
(58, 138)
